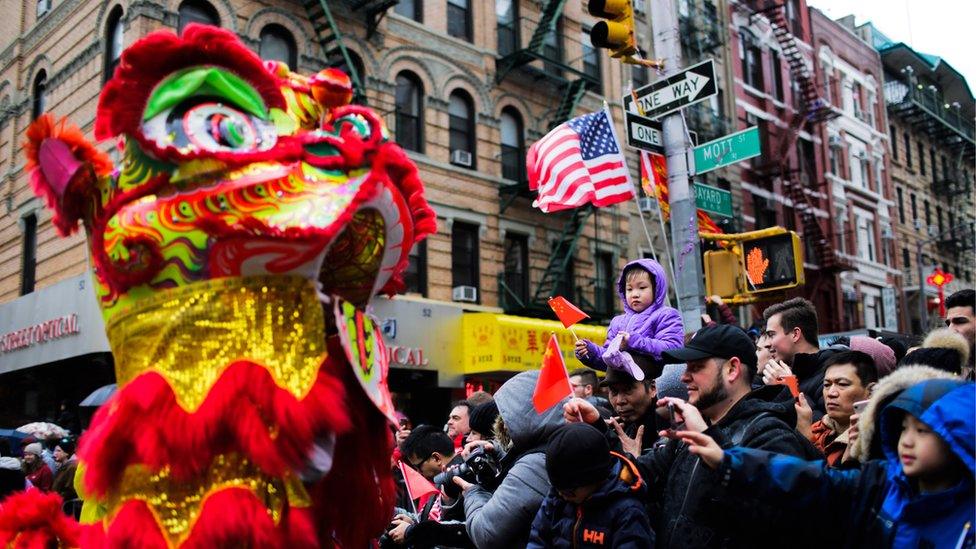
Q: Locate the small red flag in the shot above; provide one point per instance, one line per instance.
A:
(417, 485)
(568, 313)
(553, 384)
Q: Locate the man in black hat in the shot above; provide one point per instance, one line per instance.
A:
(721, 362)
(634, 405)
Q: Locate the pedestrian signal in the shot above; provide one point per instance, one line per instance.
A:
(617, 32)
(772, 262)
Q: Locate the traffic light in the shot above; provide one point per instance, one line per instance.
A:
(772, 262)
(617, 32)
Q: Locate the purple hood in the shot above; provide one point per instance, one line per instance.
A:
(660, 283)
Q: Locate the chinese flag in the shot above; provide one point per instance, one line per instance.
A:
(417, 485)
(553, 384)
(568, 313)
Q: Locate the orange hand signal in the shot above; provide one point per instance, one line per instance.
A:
(756, 266)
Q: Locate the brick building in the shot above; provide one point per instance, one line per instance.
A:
(854, 148)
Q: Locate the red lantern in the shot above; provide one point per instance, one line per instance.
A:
(939, 279)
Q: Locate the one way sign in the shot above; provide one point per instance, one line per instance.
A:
(689, 86)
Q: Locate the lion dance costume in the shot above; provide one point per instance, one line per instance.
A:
(252, 215)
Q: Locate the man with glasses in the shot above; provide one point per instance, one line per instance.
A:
(586, 385)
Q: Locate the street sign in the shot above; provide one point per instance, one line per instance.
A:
(726, 150)
(713, 200)
(644, 133)
(688, 87)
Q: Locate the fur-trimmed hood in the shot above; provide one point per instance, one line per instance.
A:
(884, 392)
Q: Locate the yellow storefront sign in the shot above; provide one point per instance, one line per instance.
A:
(503, 343)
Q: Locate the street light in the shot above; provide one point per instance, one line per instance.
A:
(923, 312)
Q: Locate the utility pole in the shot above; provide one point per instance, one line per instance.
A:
(686, 251)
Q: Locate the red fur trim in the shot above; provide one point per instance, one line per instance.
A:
(361, 476)
(159, 54)
(144, 424)
(34, 519)
(66, 206)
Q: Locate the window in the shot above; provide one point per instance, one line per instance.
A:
(750, 54)
(945, 168)
(901, 204)
(865, 239)
(415, 277)
(934, 167)
(908, 150)
(764, 211)
(462, 127)
(516, 275)
(552, 50)
(411, 9)
(894, 142)
(357, 66)
(197, 11)
(906, 258)
(938, 217)
(28, 266)
(513, 146)
(832, 155)
(409, 112)
(277, 44)
(928, 214)
(603, 290)
(464, 255)
(777, 75)
(921, 159)
(591, 61)
(39, 98)
(113, 43)
(459, 19)
(43, 6)
(506, 13)
(915, 211)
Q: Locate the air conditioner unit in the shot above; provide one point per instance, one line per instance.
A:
(919, 224)
(887, 233)
(645, 203)
(862, 155)
(834, 141)
(465, 293)
(461, 158)
(933, 231)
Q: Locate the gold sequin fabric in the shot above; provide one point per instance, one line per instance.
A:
(191, 334)
(176, 505)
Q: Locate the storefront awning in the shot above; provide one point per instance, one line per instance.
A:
(503, 343)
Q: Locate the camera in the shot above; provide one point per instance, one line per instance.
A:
(480, 468)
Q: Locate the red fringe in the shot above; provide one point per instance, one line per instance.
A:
(143, 424)
(66, 206)
(34, 519)
(354, 503)
(158, 55)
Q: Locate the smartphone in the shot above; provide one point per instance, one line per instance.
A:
(674, 424)
(860, 405)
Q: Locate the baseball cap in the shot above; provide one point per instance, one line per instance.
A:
(723, 341)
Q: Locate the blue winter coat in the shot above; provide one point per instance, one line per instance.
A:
(654, 330)
(876, 505)
(613, 516)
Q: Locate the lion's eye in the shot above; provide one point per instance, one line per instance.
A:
(208, 124)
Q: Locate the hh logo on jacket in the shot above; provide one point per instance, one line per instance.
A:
(593, 536)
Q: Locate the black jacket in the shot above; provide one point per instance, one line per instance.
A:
(684, 495)
(809, 370)
(652, 424)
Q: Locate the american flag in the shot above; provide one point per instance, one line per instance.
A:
(578, 162)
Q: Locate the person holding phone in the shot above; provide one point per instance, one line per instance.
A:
(849, 378)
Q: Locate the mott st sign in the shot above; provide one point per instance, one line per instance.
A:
(726, 150)
(689, 86)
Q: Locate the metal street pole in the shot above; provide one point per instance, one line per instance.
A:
(923, 312)
(684, 216)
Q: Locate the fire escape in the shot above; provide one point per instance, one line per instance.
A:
(330, 38)
(811, 110)
(557, 277)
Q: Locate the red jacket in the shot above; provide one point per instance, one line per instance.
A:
(42, 477)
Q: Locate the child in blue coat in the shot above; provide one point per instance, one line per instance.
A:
(921, 495)
(596, 496)
(650, 326)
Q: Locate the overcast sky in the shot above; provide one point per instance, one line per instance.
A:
(939, 27)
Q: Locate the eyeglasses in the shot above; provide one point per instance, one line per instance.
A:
(418, 464)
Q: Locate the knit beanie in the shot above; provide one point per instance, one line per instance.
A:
(67, 446)
(482, 418)
(948, 360)
(33, 448)
(577, 455)
(883, 355)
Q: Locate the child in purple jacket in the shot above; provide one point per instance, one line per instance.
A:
(649, 326)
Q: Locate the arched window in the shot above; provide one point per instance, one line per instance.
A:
(461, 124)
(513, 145)
(409, 112)
(197, 11)
(39, 95)
(278, 44)
(113, 42)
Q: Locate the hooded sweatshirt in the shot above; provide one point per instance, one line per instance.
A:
(875, 505)
(652, 331)
(504, 518)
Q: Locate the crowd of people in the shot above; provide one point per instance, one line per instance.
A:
(46, 464)
(723, 438)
